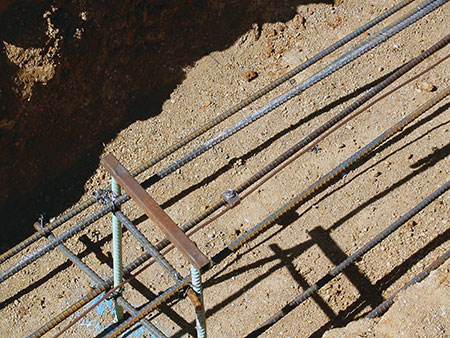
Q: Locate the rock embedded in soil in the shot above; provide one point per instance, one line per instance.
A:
(249, 75)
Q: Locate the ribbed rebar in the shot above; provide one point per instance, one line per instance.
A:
(345, 112)
(200, 315)
(46, 230)
(117, 249)
(87, 298)
(139, 261)
(383, 307)
(148, 246)
(339, 63)
(339, 170)
(283, 78)
(60, 239)
(350, 260)
(220, 118)
(97, 279)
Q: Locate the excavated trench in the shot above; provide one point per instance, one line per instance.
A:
(76, 73)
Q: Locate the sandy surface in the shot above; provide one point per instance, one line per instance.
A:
(265, 274)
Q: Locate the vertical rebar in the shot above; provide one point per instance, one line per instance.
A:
(117, 249)
(200, 321)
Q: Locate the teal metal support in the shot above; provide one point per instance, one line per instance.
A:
(196, 280)
(117, 250)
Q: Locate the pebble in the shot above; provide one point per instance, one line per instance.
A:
(426, 86)
(249, 75)
(206, 102)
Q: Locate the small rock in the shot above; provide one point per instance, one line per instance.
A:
(426, 86)
(376, 173)
(410, 224)
(249, 75)
(341, 146)
(410, 156)
(268, 51)
(206, 102)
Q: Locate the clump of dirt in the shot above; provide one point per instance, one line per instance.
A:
(35, 64)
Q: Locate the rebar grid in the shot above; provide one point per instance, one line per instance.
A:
(97, 279)
(220, 118)
(48, 231)
(371, 43)
(95, 293)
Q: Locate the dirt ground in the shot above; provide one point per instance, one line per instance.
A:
(255, 282)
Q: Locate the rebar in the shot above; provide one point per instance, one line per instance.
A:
(94, 293)
(350, 260)
(200, 320)
(97, 279)
(345, 112)
(117, 249)
(87, 298)
(148, 246)
(220, 118)
(292, 153)
(383, 307)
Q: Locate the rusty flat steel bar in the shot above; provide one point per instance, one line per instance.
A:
(155, 212)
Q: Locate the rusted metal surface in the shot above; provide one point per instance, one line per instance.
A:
(155, 212)
(192, 295)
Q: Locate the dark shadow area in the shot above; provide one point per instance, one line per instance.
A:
(287, 260)
(115, 63)
(335, 254)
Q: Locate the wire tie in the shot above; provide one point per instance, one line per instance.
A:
(116, 294)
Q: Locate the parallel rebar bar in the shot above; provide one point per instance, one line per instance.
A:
(283, 78)
(383, 307)
(334, 123)
(128, 269)
(371, 43)
(89, 297)
(148, 246)
(220, 118)
(350, 260)
(103, 287)
(97, 279)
